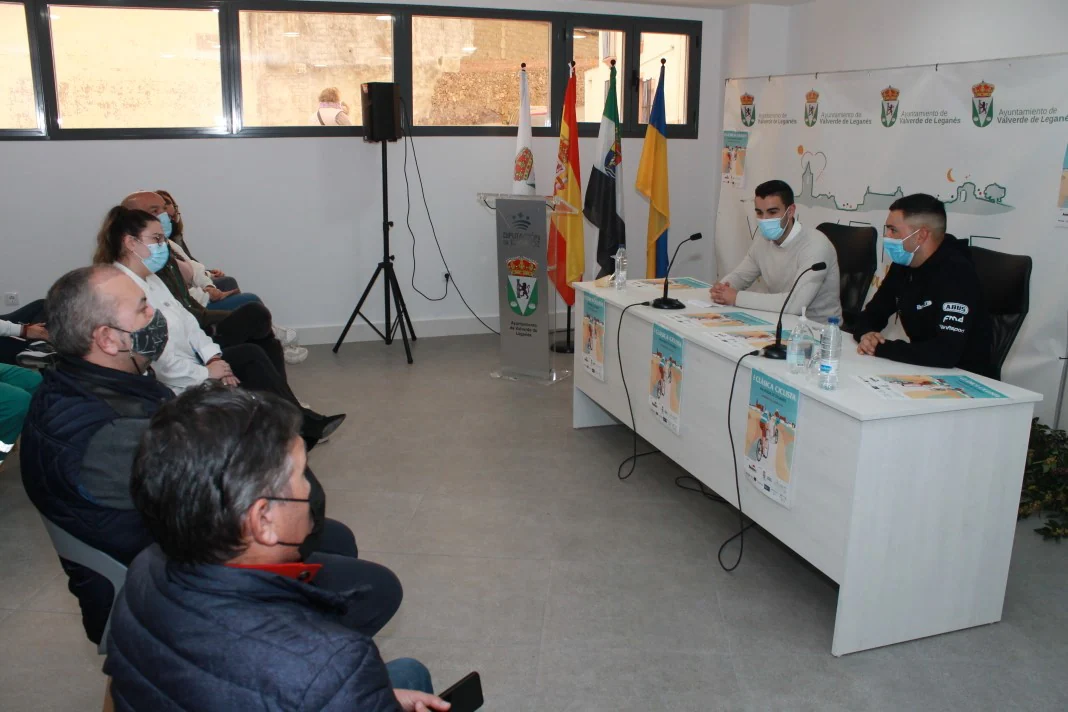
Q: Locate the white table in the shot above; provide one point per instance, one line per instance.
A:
(910, 506)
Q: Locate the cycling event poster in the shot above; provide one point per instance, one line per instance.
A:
(770, 433)
(665, 377)
(593, 335)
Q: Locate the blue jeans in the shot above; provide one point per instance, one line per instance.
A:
(234, 301)
(409, 674)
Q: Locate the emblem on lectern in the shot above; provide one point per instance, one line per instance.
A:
(523, 285)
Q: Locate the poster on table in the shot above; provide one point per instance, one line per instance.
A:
(593, 335)
(986, 138)
(922, 387)
(665, 377)
(770, 434)
(733, 158)
(674, 283)
(747, 339)
(712, 320)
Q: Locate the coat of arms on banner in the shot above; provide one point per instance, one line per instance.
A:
(890, 106)
(812, 107)
(523, 285)
(524, 164)
(982, 104)
(748, 109)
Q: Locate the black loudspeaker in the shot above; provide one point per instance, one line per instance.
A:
(381, 111)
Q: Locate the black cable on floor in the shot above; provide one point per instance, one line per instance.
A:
(633, 458)
(433, 231)
(742, 526)
(699, 489)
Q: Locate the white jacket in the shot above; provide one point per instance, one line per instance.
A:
(188, 348)
(8, 328)
(201, 278)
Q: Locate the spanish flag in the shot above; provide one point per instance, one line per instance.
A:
(567, 250)
(653, 183)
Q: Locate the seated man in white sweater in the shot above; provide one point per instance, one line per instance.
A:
(781, 251)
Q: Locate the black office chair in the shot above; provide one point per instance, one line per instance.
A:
(857, 262)
(1006, 283)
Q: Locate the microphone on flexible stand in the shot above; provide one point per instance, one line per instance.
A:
(666, 302)
(777, 351)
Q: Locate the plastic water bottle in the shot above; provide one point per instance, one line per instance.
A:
(619, 279)
(802, 345)
(830, 353)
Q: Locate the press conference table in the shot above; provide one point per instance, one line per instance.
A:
(909, 505)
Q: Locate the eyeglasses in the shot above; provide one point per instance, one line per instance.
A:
(287, 499)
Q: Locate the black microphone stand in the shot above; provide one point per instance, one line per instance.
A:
(666, 302)
(777, 351)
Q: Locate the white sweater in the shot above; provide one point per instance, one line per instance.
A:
(8, 328)
(201, 278)
(780, 265)
(188, 348)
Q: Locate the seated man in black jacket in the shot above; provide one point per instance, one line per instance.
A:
(83, 428)
(223, 613)
(934, 288)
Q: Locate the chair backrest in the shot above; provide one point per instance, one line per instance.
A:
(857, 262)
(75, 550)
(1006, 284)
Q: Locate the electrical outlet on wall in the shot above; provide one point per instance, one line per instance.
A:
(11, 299)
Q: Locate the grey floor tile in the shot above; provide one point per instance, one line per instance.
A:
(509, 673)
(53, 597)
(581, 679)
(378, 519)
(480, 526)
(46, 663)
(1035, 684)
(464, 599)
(666, 604)
(27, 552)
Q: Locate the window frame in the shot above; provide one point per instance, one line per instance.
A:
(562, 27)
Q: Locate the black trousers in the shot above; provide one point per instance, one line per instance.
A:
(257, 371)
(11, 346)
(248, 324)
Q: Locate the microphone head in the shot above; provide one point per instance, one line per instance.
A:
(819, 267)
(696, 236)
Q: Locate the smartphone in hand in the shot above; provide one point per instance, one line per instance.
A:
(465, 695)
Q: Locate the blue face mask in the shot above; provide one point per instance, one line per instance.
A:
(897, 252)
(772, 228)
(166, 224)
(157, 256)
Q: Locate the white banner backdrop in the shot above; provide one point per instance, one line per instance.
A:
(990, 139)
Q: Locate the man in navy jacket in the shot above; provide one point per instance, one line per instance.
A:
(223, 614)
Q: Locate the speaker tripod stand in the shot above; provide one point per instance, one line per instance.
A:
(390, 284)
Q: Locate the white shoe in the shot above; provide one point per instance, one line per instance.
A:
(295, 354)
(288, 337)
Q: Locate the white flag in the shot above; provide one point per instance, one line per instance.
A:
(523, 172)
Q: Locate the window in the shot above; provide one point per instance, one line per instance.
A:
(289, 60)
(465, 71)
(18, 103)
(645, 101)
(119, 68)
(594, 51)
(675, 49)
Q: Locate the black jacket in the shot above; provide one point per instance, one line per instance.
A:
(941, 308)
(211, 638)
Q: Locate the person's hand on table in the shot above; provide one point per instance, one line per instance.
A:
(216, 273)
(869, 342)
(723, 293)
(413, 701)
(36, 332)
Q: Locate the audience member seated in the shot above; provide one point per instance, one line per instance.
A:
(86, 421)
(222, 613)
(133, 241)
(20, 329)
(933, 287)
(17, 385)
(220, 279)
(780, 253)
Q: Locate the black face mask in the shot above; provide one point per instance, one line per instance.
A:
(150, 340)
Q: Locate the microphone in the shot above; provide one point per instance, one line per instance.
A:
(666, 302)
(777, 351)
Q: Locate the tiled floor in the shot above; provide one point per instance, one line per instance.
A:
(524, 557)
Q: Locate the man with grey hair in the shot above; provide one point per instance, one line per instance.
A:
(934, 288)
(84, 426)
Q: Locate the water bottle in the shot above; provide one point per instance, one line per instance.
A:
(619, 279)
(830, 353)
(801, 346)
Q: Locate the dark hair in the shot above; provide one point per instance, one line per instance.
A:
(178, 230)
(930, 210)
(207, 456)
(119, 223)
(75, 309)
(776, 187)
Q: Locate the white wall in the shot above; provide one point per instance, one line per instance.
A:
(298, 220)
(832, 35)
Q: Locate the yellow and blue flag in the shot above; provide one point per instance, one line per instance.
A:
(653, 183)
